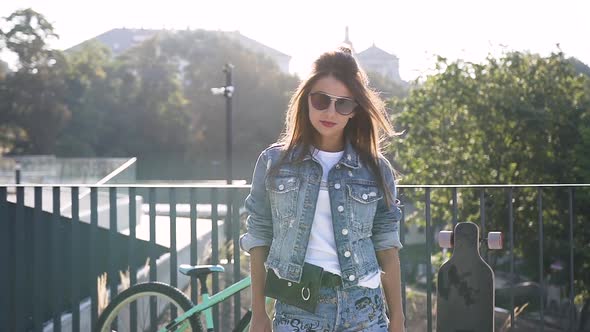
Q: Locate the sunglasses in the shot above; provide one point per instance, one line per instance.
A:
(321, 101)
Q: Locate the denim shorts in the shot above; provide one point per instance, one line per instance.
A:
(344, 310)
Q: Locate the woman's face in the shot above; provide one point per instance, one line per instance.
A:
(329, 123)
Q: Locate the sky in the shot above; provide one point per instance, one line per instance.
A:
(416, 31)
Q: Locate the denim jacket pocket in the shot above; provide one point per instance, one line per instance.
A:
(362, 200)
(283, 193)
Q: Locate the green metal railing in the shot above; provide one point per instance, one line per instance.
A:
(50, 262)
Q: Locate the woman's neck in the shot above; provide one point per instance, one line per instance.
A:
(329, 144)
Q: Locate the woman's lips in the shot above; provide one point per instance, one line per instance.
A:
(328, 123)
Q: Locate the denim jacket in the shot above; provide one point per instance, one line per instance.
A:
(281, 210)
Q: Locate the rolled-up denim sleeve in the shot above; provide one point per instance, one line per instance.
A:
(386, 223)
(259, 221)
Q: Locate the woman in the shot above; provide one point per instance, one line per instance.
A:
(325, 196)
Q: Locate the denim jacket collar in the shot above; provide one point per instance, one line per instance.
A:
(350, 158)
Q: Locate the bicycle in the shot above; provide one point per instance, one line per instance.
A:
(161, 307)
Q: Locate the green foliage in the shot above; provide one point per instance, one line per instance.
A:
(90, 94)
(33, 107)
(39, 105)
(259, 102)
(27, 37)
(150, 113)
(520, 118)
(520, 110)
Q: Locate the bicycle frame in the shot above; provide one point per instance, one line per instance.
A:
(206, 304)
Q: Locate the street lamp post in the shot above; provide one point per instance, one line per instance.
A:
(17, 173)
(227, 91)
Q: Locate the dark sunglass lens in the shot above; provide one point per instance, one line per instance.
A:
(320, 101)
(345, 106)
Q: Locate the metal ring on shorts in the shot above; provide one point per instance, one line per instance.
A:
(308, 293)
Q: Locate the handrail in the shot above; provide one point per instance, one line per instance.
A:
(243, 186)
(103, 180)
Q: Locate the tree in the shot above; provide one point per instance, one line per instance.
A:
(38, 107)
(27, 37)
(90, 93)
(261, 96)
(35, 93)
(150, 116)
(259, 103)
(154, 99)
(520, 118)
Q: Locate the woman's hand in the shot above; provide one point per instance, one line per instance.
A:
(260, 323)
(391, 282)
(396, 325)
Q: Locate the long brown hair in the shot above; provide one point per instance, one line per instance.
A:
(365, 131)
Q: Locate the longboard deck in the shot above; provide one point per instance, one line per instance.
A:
(465, 301)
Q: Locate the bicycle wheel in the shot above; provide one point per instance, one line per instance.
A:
(155, 304)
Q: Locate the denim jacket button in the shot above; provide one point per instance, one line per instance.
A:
(281, 187)
(351, 277)
(340, 208)
(337, 186)
(345, 231)
(347, 254)
(364, 196)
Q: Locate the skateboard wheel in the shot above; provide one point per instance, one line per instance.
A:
(445, 239)
(495, 240)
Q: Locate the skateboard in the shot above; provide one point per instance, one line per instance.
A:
(465, 300)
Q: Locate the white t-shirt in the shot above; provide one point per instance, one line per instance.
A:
(321, 248)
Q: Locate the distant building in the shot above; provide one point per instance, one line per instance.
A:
(377, 60)
(280, 58)
(120, 40)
